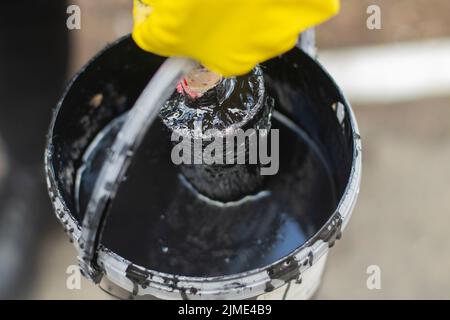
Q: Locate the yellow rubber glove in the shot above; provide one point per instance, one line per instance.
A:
(227, 36)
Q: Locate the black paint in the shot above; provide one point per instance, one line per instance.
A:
(158, 223)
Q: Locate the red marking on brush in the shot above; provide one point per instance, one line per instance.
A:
(180, 88)
(183, 88)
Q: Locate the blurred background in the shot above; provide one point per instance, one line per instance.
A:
(397, 79)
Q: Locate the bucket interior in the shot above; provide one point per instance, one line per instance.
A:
(307, 104)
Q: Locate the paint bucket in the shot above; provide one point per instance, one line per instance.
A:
(309, 103)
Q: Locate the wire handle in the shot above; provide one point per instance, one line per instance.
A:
(116, 164)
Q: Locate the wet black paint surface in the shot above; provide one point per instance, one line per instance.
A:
(236, 101)
(158, 223)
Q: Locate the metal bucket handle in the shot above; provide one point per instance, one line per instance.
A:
(115, 166)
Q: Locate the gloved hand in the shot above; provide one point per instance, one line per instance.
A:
(227, 36)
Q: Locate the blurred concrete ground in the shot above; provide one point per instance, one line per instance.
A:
(401, 20)
(402, 217)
